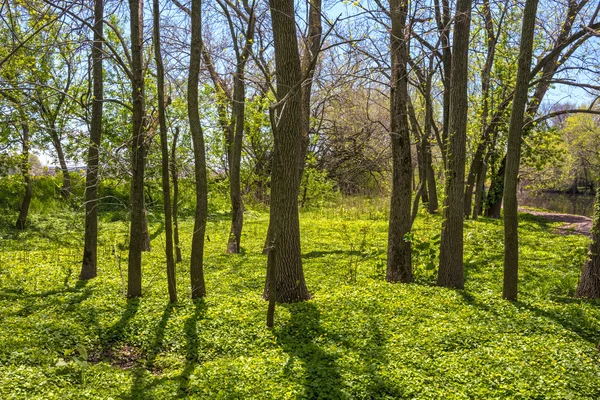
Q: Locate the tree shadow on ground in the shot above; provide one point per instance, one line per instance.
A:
(324, 253)
(298, 338)
(113, 334)
(574, 323)
(140, 384)
(31, 303)
(192, 358)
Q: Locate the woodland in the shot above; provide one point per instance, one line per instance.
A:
(281, 199)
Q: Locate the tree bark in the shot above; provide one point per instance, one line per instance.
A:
(284, 237)
(478, 161)
(66, 186)
(451, 272)
(308, 65)
(235, 143)
(589, 282)
(443, 21)
(166, 187)
(513, 155)
(90, 247)
(175, 177)
(197, 256)
(21, 223)
(138, 151)
(399, 267)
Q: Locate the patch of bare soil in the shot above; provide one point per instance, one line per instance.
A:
(571, 224)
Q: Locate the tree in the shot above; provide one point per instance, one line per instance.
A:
(399, 268)
(90, 248)
(285, 277)
(450, 272)
(138, 150)
(589, 282)
(513, 154)
(196, 261)
(164, 145)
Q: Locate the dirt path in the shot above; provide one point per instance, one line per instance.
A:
(571, 224)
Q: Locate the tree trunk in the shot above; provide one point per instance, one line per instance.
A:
(235, 146)
(513, 154)
(399, 267)
(477, 163)
(21, 223)
(138, 151)
(450, 272)
(66, 187)
(166, 189)
(197, 256)
(433, 205)
(284, 247)
(313, 44)
(479, 188)
(493, 202)
(174, 175)
(589, 282)
(90, 247)
(442, 17)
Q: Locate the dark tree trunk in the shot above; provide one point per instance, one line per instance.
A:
(589, 282)
(235, 145)
(493, 204)
(451, 272)
(478, 161)
(21, 223)
(138, 151)
(286, 274)
(197, 257)
(174, 175)
(308, 64)
(479, 189)
(433, 205)
(90, 248)
(66, 186)
(513, 154)
(166, 189)
(399, 267)
(443, 21)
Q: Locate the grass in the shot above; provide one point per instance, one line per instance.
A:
(359, 337)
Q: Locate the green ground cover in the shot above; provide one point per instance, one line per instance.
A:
(359, 337)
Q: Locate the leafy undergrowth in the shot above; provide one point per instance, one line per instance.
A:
(359, 337)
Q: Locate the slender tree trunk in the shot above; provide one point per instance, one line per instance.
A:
(433, 205)
(513, 154)
(174, 175)
(138, 151)
(90, 248)
(494, 196)
(66, 186)
(235, 190)
(479, 188)
(21, 223)
(166, 189)
(285, 256)
(443, 21)
(399, 267)
(197, 256)
(450, 272)
(589, 282)
(313, 44)
(235, 147)
(477, 163)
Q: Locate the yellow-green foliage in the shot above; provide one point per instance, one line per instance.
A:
(359, 337)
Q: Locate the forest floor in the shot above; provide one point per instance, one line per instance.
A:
(358, 338)
(569, 223)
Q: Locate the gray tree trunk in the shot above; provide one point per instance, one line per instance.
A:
(451, 272)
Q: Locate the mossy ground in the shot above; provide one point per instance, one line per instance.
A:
(359, 337)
